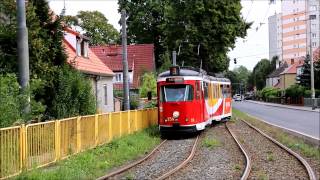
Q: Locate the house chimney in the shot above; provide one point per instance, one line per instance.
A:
(277, 63)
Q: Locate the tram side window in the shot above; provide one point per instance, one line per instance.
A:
(198, 92)
(205, 87)
(228, 91)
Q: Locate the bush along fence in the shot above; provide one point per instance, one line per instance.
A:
(35, 145)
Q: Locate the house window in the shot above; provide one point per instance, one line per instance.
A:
(314, 44)
(314, 35)
(313, 8)
(313, 26)
(78, 47)
(118, 77)
(105, 88)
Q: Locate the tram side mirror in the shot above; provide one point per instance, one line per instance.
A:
(149, 95)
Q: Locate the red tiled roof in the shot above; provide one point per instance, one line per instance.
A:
(140, 60)
(292, 69)
(90, 65)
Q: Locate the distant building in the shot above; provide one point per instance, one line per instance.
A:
(273, 79)
(140, 60)
(300, 29)
(275, 37)
(83, 59)
(297, 27)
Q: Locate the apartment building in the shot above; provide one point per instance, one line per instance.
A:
(275, 36)
(300, 28)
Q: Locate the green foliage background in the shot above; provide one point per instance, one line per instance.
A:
(96, 26)
(149, 83)
(47, 68)
(213, 24)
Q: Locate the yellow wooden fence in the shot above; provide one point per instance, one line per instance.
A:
(35, 145)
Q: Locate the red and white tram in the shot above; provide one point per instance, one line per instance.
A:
(189, 99)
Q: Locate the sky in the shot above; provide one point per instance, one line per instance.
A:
(247, 51)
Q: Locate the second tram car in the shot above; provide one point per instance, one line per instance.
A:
(189, 99)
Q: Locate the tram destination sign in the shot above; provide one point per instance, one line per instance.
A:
(175, 79)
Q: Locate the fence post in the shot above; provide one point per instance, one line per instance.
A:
(78, 134)
(96, 128)
(110, 127)
(128, 121)
(23, 148)
(120, 129)
(57, 139)
(136, 119)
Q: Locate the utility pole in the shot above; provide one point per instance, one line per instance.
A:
(174, 58)
(313, 95)
(125, 61)
(23, 52)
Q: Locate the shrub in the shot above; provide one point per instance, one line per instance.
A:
(270, 92)
(307, 93)
(295, 91)
(134, 102)
(12, 101)
(73, 94)
(149, 83)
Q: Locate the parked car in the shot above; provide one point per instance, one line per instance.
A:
(237, 97)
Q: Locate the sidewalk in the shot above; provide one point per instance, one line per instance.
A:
(302, 108)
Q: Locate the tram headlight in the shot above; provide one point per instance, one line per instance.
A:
(175, 114)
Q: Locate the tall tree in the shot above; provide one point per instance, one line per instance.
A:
(260, 72)
(145, 22)
(214, 25)
(46, 55)
(96, 26)
(304, 79)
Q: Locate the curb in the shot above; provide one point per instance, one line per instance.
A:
(280, 106)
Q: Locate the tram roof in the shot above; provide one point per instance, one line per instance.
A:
(197, 72)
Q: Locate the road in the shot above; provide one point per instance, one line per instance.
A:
(305, 122)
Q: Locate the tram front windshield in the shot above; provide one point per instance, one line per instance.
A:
(176, 93)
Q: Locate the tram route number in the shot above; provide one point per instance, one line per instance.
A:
(170, 119)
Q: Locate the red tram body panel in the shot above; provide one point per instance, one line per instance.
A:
(189, 100)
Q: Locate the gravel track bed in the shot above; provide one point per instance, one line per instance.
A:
(168, 156)
(268, 160)
(224, 161)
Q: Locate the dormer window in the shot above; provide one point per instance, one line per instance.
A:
(82, 47)
(78, 47)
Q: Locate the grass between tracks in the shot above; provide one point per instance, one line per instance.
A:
(96, 162)
(290, 141)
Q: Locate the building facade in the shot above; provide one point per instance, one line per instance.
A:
(140, 60)
(300, 28)
(83, 59)
(275, 36)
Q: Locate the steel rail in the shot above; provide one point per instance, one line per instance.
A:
(181, 165)
(129, 166)
(311, 173)
(247, 170)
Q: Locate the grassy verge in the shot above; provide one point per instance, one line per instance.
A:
(290, 141)
(97, 162)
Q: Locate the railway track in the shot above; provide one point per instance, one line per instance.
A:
(248, 173)
(247, 169)
(117, 174)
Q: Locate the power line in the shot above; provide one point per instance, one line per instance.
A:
(249, 10)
